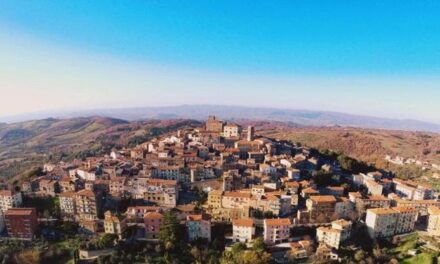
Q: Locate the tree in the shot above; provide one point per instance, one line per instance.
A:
(268, 214)
(322, 178)
(239, 254)
(238, 247)
(107, 240)
(172, 238)
(359, 255)
(258, 245)
(169, 231)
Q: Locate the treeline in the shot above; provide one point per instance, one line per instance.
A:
(348, 164)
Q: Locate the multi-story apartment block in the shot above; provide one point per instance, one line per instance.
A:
(372, 201)
(21, 222)
(412, 191)
(381, 222)
(420, 205)
(87, 205)
(406, 220)
(67, 205)
(201, 173)
(114, 224)
(161, 192)
(243, 230)
(153, 222)
(9, 199)
(321, 207)
(199, 226)
(167, 173)
(386, 222)
(236, 200)
(215, 199)
(344, 226)
(344, 208)
(336, 234)
(48, 187)
(66, 184)
(276, 230)
(117, 185)
(374, 188)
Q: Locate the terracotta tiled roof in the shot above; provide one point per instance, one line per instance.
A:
(277, 222)
(401, 209)
(67, 194)
(246, 222)
(291, 184)
(323, 198)
(19, 211)
(237, 194)
(5, 193)
(382, 211)
(85, 193)
(153, 215)
(199, 217)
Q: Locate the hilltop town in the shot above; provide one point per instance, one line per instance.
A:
(218, 193)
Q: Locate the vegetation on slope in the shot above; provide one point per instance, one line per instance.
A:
(26, 145)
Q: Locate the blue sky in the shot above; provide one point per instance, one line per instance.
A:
(377, 58)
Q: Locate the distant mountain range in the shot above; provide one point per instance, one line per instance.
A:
(201, 112)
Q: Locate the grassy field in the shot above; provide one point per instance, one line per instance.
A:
(422, 257)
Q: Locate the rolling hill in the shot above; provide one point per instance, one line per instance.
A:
(200, 112)
(25, 144)
(369, 145)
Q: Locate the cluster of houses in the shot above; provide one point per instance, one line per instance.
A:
(401, 161)
(259, 186)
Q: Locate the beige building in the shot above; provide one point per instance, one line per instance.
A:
(372, 201)
(381, 222)
(344, 208)
(336, 234)
(114, 224)
(420, 205)
(321, 207)
(276, 230)
(215, 199)
(406, 220)
(67, 205)
(433, 228)
(236, 200)
(162, 192)
(231, 130)
(373, 187)
(243, 230)
(66, 184)
(86, 205)
(117, 185)
(9, 199)
(386, 222)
